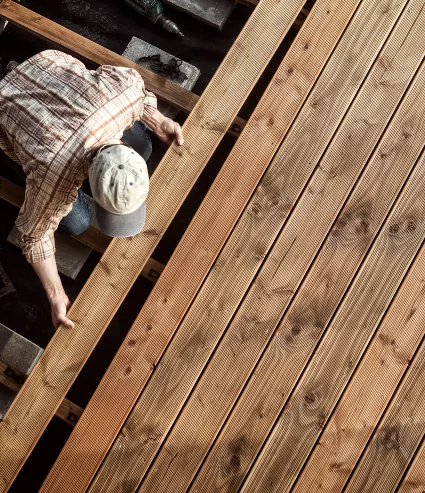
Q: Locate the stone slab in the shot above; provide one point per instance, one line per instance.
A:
(6, 398)
(18, 352)
(71, 255)
(212, 12)
(137, 48)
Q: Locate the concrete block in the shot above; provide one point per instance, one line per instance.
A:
(17, 352)
(6, 398)
(212, 12)
(71, 255)
(137, 48)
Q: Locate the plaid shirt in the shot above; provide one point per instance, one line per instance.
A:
(54, 115)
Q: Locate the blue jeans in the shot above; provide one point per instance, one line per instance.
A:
(79, 219)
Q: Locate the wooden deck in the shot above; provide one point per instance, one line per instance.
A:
(281, 349)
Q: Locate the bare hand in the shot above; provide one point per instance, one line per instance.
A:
(168, 130)
(60, 306)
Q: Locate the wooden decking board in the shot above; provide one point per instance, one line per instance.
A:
(59, 35)
(219, 314)
(414, 480)
(369, 390)
(68, 411)
(123, 260)
(306, 413)
(93, 237)
(221, 383)
(399, 433)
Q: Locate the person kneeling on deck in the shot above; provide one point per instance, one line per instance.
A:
(64, 123)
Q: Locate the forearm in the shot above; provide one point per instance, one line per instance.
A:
(47, 272)
(152, 118)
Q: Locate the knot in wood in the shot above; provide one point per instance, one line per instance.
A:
(310, 398)
(391, 439)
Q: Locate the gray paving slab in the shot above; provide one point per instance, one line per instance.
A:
(18, 352)
(71, 255)
(212, 12)
(137, 48)
(6, 398)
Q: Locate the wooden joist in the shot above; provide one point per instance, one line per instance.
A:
(124, 259)
(93, 238)
(165, 89)
(192, 435)
(68, 411)
(201, 243)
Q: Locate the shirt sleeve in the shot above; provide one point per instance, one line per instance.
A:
(136, 80)
(39, 218)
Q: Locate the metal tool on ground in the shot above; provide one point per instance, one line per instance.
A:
(153, 10)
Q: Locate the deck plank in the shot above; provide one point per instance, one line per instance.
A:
(414, 480)
(401, 429)
(68, 411)
(124, 258)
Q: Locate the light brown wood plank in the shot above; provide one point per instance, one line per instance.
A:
(46, 29)
(370, 390)
(400, 432)
(67, 411)
(93, 237)
(414, 481)
(317, 392)
(124, 258)
(223, 290)
(221, 383)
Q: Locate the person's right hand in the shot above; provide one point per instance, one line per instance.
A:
(60, 306)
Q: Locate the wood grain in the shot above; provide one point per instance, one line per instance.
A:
(371, 388)
(414, 480)
(67, 411)
(400, 432)
(93, 237)
(306, 413)
(44, 28)
(124, 259)
(220, 295)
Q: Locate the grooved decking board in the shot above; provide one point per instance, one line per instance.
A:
(124, 259)
(38, 25)
(67, 411)
(287, 91)
(93, 237)
(230, 367)
(370, 390)
(307, 411)
(401, 429)
(414, 481)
